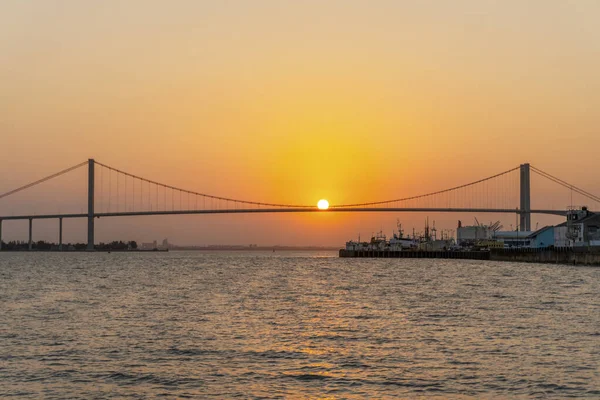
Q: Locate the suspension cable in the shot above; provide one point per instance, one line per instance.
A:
(201, 194)
(428, 194)
(565, 184)
(64, 171)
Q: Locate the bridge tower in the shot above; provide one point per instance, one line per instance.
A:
(525, 203)
(90, 217)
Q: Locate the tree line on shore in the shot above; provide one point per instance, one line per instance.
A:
(17, 245)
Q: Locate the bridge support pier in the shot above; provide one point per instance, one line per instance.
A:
(60, 234)
(525, 203)
(0, 234)
(30, 233)
(90, 216)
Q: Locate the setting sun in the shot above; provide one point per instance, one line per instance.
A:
(323, 204)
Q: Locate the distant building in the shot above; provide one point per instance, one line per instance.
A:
(541, 238)
(149, 246)
(471, 235)
(582, 228)
(154, 245)
(512, 239)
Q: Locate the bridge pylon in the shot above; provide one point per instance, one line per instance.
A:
(525, 203)
(90, 214)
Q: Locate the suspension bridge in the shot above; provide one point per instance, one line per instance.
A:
(112, 192)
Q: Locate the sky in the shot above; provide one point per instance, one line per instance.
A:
(291, 102)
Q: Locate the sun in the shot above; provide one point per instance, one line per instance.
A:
(323, 204)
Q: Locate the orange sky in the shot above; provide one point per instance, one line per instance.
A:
(296, 101)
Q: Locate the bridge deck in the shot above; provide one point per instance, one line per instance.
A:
(281, 210)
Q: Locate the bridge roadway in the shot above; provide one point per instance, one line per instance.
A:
(280, 210)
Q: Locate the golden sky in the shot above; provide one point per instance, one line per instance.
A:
(297, 101)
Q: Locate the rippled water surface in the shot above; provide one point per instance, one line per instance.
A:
(294, 325)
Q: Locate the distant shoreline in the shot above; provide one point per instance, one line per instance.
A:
(269, 249)
(258, 248)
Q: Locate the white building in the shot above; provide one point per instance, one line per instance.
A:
(149, 246)
(470, 235)
(581, 229)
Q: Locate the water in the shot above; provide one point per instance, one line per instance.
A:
(294, 325)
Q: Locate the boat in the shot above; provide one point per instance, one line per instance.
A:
(379, 242)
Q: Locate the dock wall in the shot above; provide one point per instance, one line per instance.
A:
(563, 255)
(463, 255)
(583, 256)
